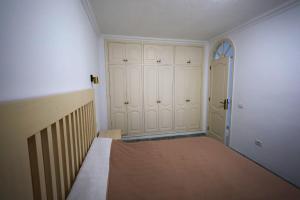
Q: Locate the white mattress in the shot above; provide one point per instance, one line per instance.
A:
(91, 181)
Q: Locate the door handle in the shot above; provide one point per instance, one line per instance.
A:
(158, 101)
(126, 102)
(158, 61)
(225, 104)
(125, 60)
(188, 62)
(187, 100)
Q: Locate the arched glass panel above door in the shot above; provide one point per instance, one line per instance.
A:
(223, 49)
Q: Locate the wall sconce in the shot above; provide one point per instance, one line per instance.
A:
(94, 79)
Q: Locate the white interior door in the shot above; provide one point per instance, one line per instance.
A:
(150, 98)
(193, 95)
(180, 99)
(118, 97)
(218, 93)
(134, 99)
(165, 97)
(116, 53)
(133, 53)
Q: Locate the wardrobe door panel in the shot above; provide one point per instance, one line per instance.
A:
(150, 98)
(187, 98)
(180, 98)
(165, 82)
(180, 119)
(181, 55)
(194, 85)
(133, 53)
(118, 97)
(119, 121)
(193, 94)
(166, 55)
(195, 56)
(191, 56)
(151, 120)
(151, 54)
(134, 99)
(116, 53)
(193, 117)
(134, 122)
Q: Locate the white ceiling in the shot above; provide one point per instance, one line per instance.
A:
(182, 19)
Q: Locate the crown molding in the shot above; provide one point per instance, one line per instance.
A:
(154, 40)
(265, 16)
(91, 15)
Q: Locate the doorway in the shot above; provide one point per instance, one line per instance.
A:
(220, 91)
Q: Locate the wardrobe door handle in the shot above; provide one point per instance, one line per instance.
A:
(158, 61)
(125, 60)
(188, 62)
(187, 100)
(158, 101)
(126, 102)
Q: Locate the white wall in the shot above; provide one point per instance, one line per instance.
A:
(46, 47)
(102, 87)
(267, 86)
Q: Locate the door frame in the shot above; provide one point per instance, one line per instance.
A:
(230, 87)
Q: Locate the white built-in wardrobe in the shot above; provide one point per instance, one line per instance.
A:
(154, 88)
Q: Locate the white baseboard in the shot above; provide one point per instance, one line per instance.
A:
(147, 136)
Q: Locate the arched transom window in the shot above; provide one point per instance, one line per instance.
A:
(223, 49)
